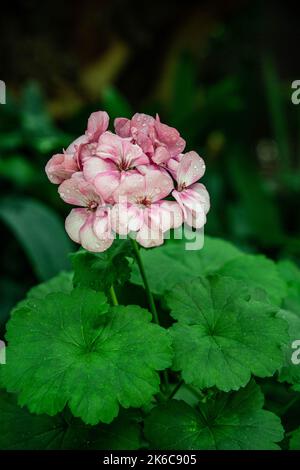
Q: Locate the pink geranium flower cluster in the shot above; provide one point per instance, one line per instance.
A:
(134, 181)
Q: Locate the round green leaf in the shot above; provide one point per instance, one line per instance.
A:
(259, 273)
(22, 430)
(233, 421)
(171, 263)
(222, 335)
(73, 349)
(295, 440)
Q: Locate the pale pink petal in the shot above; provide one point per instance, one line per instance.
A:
(133, 155)
(84, 153)
(161, 155)
(96, 165)
(169, 137)
(194, 202)
(158, 184)
(78, 191)
(171, 215)
(97, 125)
(190, 169)
(173, 163)
(202, 195)
(131, 189)
(75, 220)
(89, 239)
(76, 143)
(106, 184)
(122, 127)
(110, 147)
(123, 153)
(149, 238)
(60, 167)
(142, 130)
(126, 218)
(102, 223)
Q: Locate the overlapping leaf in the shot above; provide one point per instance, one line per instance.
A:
(291, 313)
(233, 421)
(22, 430)
(171, 263)
(259, 273)
(100, 270)
(74, 349)
(223, 335)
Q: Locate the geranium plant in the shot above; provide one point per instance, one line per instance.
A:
(147, 344)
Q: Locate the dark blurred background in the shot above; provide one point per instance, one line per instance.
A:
(220, 71)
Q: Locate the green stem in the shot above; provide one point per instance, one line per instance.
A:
(113, 295)
(175, 389)
(145, 280)
(150, 297)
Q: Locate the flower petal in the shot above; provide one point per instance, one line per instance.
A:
(97, 124)
(148, 237)
(106, 184)
(89, 239)
(126, 218)
(131, 188)
(169, 137)
(122, 127)
(102, 223)
(110, 147)
(78, 191)
(76, 143)
(158, 184)
(75, 220)
(161, 155)
(61, 167)
(194, 202)
(96, 165)
(190, 169)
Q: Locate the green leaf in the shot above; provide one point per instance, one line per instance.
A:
(295, 440)
(259, 273)
(290, 372)
(23, 430)
(63, 282)
(99, 271)
(290, 312)
(223, 335)
(69, 349)
(233, 421)
(171, 263)
(291, 274)
(41, 234)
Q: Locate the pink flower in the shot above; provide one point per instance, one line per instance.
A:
(89, 224)
(191, 196)
(140, 207)
(62, 166)
(159, 141)
(116, 159)
(133, 170)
